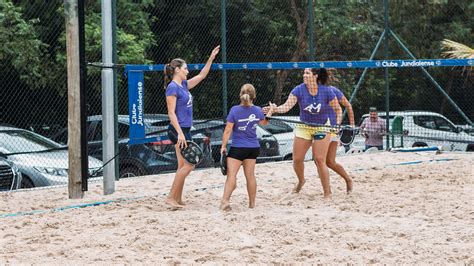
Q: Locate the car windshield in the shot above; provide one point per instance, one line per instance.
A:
(444, 125)
(262, 133)
(434, 122)
(277, 127)
(13, 141)
(214, 128)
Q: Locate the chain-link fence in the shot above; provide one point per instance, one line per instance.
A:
(33, 60)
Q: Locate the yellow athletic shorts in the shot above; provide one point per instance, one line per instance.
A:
(312, 133)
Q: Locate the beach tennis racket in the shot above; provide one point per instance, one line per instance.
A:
(326, 128)
(346, 135)
(223, 163)
(192, 153)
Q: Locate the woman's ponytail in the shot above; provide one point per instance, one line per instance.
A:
(168, 75)
(247, 94)
(245, 99)
(323, 76)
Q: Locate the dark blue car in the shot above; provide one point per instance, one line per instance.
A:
(139, 159)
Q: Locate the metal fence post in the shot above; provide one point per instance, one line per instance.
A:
(224, 58)
(386, 75)
(108, 127)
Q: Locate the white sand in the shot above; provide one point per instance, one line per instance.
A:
(418, 213)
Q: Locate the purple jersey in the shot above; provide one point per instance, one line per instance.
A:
(245, 119)
(339, 95)
(184, 102)
(314, 109)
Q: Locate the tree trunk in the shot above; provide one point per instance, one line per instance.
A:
(301, 17)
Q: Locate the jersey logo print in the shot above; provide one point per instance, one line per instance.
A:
(190, 101)
(251, 118)
(311, 107)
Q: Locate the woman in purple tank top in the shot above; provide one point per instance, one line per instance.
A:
(315, 101)
(180, 111)
(242, 123)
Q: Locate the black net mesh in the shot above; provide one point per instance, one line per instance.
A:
(34, 81)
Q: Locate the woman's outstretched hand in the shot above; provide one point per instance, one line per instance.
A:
(270, 109)
(214, 52)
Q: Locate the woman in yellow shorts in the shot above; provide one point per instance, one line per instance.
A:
(315, 101)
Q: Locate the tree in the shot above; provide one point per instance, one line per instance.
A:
(300, 16)
(457, 50)
(33, 54)
(21, 51)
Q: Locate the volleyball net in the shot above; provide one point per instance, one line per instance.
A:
(364, 83)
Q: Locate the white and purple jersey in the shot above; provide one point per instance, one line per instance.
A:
(314, 109)
(245, 119)
(184, 102)
(339, 95)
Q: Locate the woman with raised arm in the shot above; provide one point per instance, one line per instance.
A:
(179, 102)
(314, 100)
(242, 122)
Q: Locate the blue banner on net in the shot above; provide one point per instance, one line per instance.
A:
(136, 100)
(326, 64)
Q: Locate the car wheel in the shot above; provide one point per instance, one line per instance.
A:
(419, 144)
(130, 172)
(288, 157)
(26, 182)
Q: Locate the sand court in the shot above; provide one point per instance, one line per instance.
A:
(405, 208)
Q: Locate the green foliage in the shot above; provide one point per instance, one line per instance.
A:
(21, 49)
(37, 48)
(133, 38)
(33, 47)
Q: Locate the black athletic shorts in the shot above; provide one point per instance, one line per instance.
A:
(243, 153)
(173, 134)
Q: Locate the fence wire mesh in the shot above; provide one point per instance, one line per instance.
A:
(33, 60)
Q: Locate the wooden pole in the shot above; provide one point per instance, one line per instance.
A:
(74, 109)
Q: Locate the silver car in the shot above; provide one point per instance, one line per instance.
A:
(41, 161)
(10, 177)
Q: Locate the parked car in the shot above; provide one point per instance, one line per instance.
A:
(10, 177)
(160, 123)
(424, 128)
(41, 161)
(214, 129)
(138, 159)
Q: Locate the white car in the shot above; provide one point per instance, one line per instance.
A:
(283, 132)
(424, 129)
